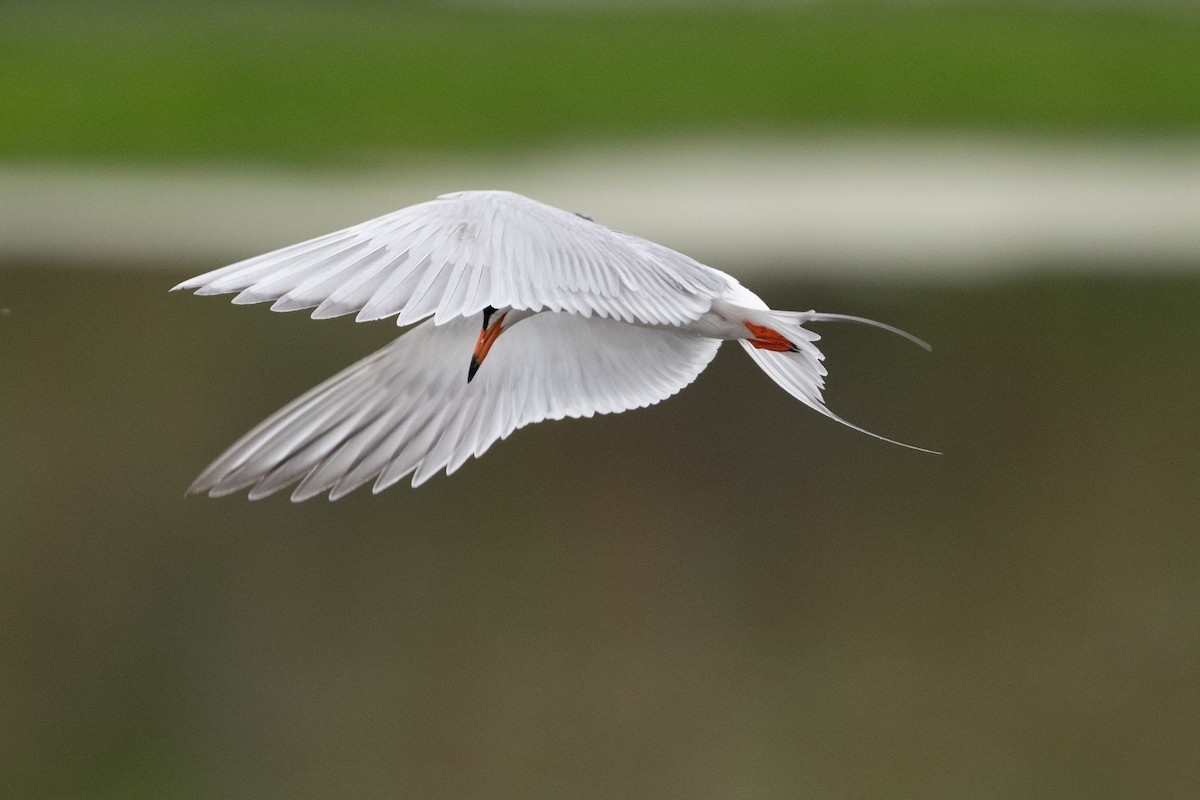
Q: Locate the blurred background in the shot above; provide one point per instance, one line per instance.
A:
(722, 596)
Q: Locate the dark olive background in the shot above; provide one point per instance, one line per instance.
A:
(722, 596)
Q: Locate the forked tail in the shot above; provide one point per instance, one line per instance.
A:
(798, 369)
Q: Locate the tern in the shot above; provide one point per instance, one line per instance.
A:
(527, 312)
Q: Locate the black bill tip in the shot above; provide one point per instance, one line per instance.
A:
(471, 370)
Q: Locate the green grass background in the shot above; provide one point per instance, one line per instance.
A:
(343, 82)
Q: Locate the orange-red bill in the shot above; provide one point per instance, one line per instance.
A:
(487, 338)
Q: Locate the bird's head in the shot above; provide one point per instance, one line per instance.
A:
(495, 322)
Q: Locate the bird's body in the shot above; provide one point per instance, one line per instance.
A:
(594, 321)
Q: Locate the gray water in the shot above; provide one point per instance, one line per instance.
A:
(722, 596)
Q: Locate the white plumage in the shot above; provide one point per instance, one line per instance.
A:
(594, 321)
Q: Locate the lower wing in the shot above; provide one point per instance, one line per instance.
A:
(408, 408)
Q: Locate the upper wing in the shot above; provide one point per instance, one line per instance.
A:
(462, 252)
(408, 407)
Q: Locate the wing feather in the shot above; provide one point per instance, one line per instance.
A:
(407, 409)
(453, 256)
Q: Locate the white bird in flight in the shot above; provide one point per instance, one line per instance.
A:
(527, 313)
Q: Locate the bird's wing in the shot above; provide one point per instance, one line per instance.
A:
(408, 407)
(458, 254)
